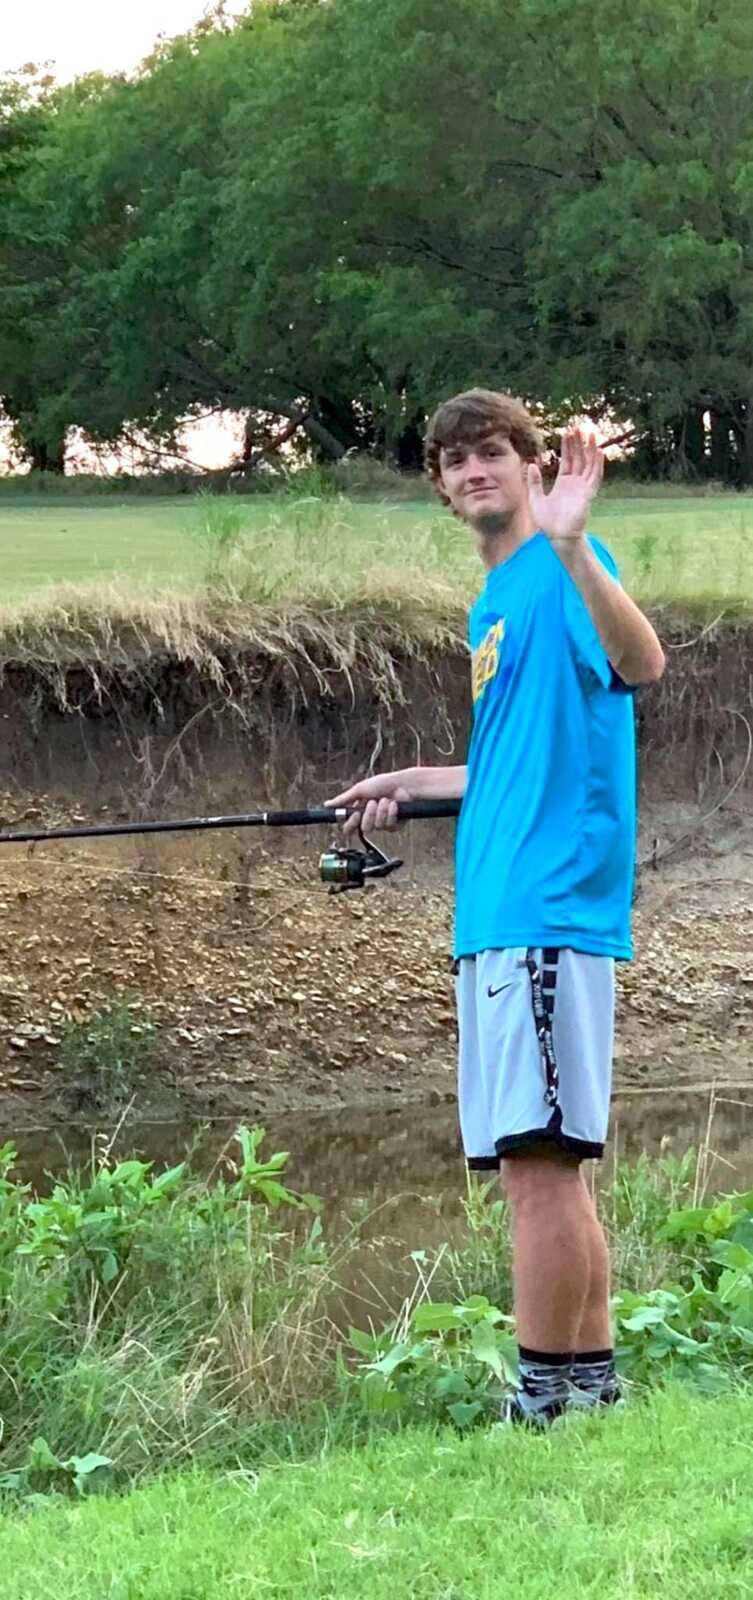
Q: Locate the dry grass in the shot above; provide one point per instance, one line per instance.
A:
(196, 583)
(109, 631)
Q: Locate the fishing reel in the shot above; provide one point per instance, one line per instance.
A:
(344, 867)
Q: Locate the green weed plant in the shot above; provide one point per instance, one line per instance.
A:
(699, 1326)
(450, 1362)
(103, 1056)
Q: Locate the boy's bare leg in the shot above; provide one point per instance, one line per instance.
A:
(595, 1332)
(561, 1288)
(560, 1279)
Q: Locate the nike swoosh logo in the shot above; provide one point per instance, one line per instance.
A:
(492, 992)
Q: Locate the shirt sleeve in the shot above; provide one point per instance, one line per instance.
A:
(587, 647)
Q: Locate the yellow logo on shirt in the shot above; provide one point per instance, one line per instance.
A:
(485, 660)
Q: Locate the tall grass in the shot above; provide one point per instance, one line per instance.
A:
(316, 548)
(633, 1204)
(325, 550)
(311, 549)
(156, 1319)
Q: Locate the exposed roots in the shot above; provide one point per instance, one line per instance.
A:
(166, 680)
(692, 725)
(308, 691)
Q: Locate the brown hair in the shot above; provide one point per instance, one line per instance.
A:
(471, 416)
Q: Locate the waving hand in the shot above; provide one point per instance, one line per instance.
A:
(562, 514)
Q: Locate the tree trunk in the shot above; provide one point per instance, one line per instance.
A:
(649, 459)
(322, 437)
(721, 449)
(261, 443)
(339, 423)
(746, 444)
(694, 441)
(45, 457)
(409, 451)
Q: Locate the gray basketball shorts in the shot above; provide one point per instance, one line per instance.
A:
(535, 1061)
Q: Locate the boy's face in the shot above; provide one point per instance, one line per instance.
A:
(484, 481)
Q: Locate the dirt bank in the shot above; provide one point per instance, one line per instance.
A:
(268, 994)
(185, 708)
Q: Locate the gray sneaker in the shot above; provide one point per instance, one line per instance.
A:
(515, 1412)
(606, 1400)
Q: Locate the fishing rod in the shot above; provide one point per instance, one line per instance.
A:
(342, 867)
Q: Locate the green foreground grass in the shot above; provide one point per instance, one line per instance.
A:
(653, 1501)
(287, 548)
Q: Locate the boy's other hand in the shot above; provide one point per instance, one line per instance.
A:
(377, 800)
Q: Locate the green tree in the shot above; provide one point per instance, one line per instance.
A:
(26, 110)
(643, 269)
(379, 229)
(334, 213)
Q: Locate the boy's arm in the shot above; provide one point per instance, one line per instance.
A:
(630, 643)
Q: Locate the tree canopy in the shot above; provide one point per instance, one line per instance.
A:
(336, 213)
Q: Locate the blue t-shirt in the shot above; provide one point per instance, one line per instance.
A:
(545, 850)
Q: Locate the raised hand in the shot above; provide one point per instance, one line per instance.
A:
(562, 514)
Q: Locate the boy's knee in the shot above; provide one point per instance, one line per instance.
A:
(537, 1175)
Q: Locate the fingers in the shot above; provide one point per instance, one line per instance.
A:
(383, 812)
(594, 464)
(582, 457)
(349, 797)
(573, 451)
(378, 814)
(373, 811)
(352, 824)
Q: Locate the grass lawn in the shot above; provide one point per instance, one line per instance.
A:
(654, 1502)
(679, 548)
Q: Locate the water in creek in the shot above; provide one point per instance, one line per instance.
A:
(400, 1175)
(411, 1156)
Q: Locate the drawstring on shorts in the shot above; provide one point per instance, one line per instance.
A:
(543, 986)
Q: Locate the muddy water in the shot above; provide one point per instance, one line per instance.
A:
(398, 1173)
(410, 1157)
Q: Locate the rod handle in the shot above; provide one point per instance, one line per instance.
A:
(418, 810)
(408, 811)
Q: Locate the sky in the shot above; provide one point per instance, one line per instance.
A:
(80, 36)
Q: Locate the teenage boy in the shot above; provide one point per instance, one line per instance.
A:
(544, 868)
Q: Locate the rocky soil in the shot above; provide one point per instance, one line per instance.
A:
(268, 994)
